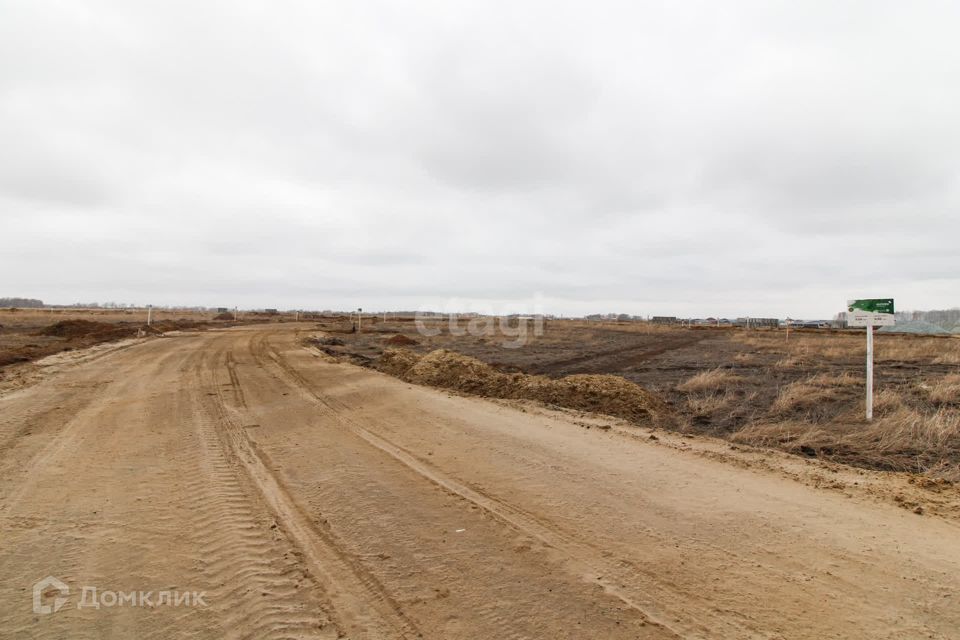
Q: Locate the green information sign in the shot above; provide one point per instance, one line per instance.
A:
(871, 305)
(870, 313)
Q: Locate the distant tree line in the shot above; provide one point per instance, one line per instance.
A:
(27, 303)
(946, 318)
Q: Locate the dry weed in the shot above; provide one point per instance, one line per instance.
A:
(710, 404)
(946, 390)
(815, 391)
(845, 379)
(711, 380)
(790, 362)
(801, 396)
(886, 402)
(950, 353)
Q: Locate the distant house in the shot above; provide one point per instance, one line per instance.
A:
(664, 320)
(811, 324)
(753, 323)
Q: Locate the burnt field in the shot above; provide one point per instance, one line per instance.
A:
(803, 393)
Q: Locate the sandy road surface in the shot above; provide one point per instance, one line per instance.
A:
(308, 499)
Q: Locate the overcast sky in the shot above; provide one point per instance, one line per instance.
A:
(690, 158)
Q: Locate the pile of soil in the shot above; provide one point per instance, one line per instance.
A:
(17, 355)
(224, 316)
(73, 329)
(452, 370)
(607, 394)
(179, 324)
(397, 362)
(400, 340)
(601, 393)
(72, 333)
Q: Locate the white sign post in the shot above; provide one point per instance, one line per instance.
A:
(870, 313)
(869, 370)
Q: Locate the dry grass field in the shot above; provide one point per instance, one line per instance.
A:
(803, 393)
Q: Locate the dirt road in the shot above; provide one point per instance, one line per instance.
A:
(304, 498)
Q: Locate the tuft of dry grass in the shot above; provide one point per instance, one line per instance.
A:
(711, 380)
(711, 404)
(845, 379)
(789, 362)
(814, 393)
(887, 402)
(801, 396)
(946, 390)
(949, 353)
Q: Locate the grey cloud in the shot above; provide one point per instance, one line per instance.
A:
(759, 157)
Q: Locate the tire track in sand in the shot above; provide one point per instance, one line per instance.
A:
(361, 606)
(259, 587)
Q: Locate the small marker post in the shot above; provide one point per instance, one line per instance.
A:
(869, 371)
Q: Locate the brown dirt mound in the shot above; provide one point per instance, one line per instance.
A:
(397, 362)
(607, 394)
(400, 340)
(14, 356)
(78, 329)
(180, 324)
(451, 370)
(224, 316)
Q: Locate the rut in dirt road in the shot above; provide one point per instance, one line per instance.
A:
(260, 582)
(361, 606)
